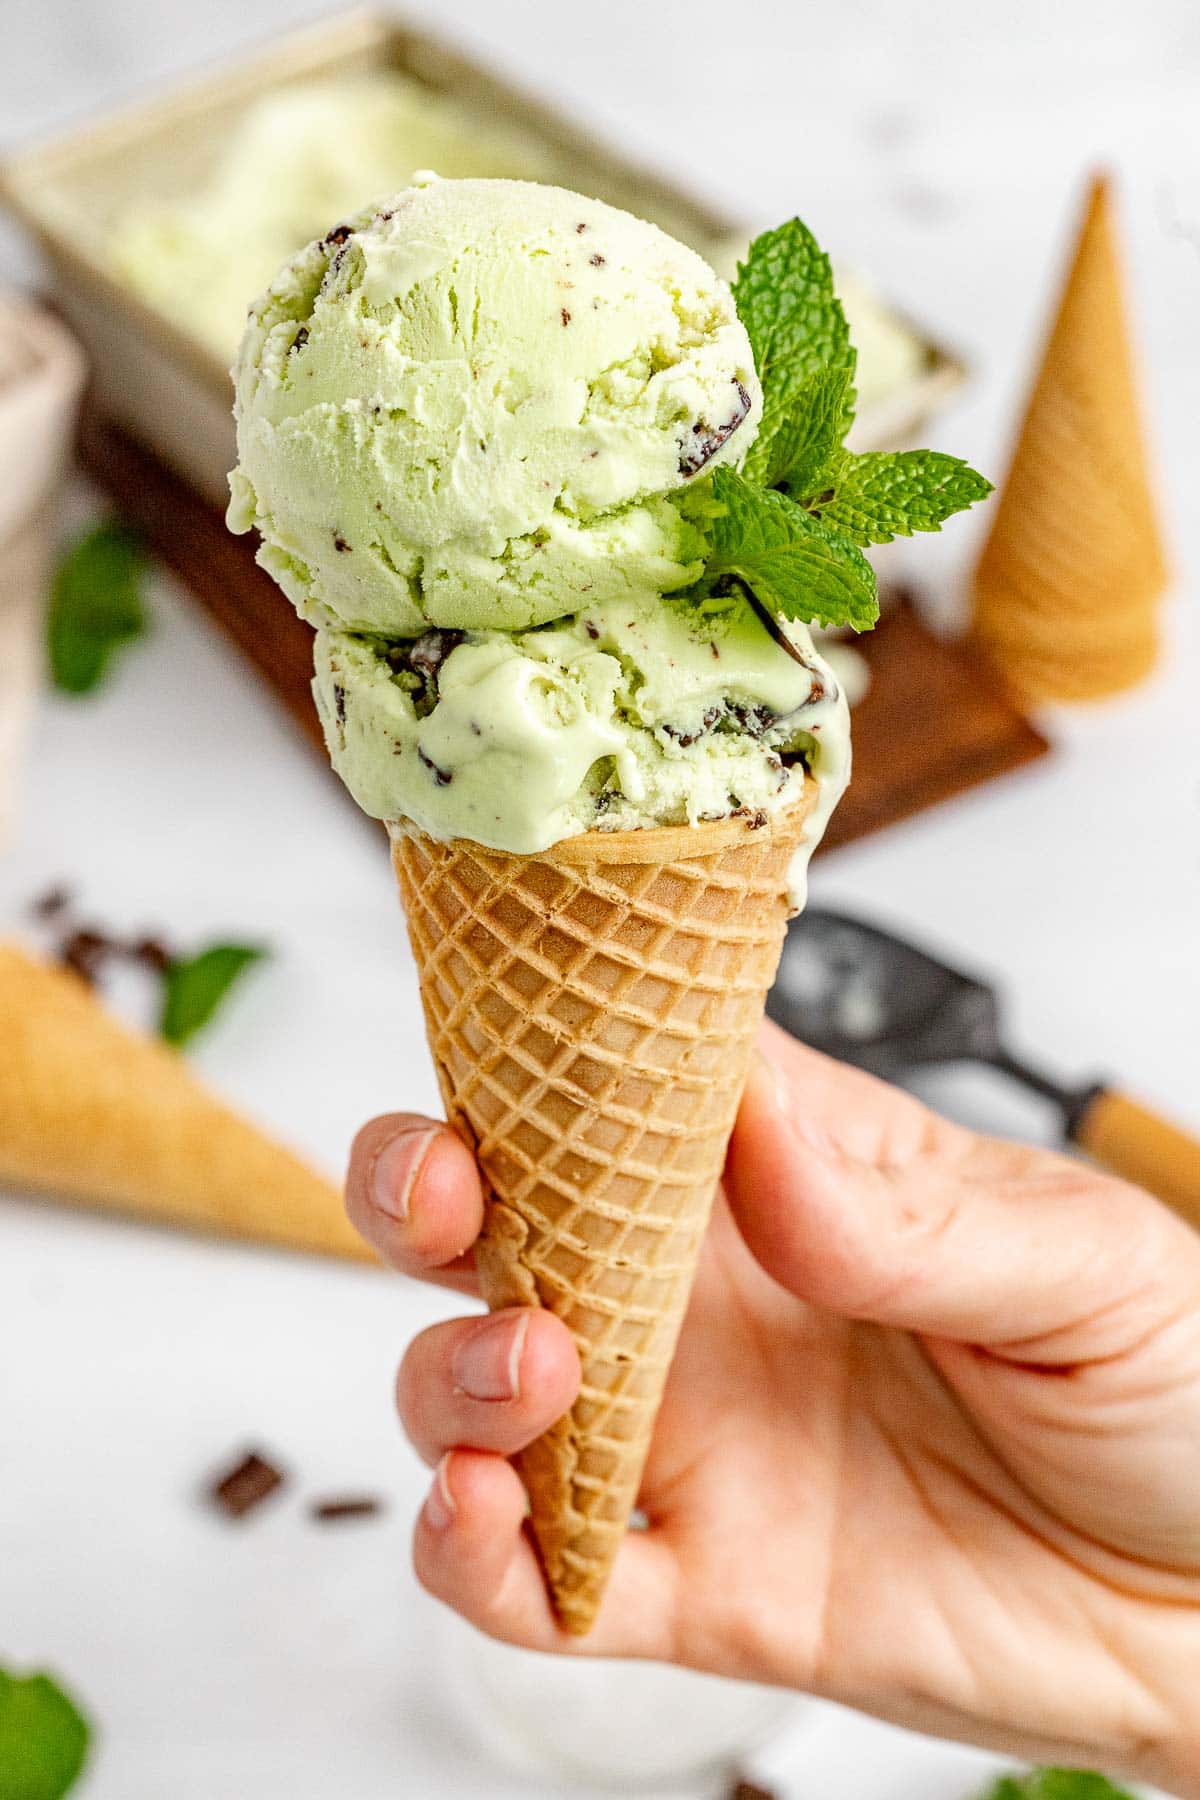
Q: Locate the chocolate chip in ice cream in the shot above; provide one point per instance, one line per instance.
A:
(427, 654)
(443, 777)
(685, 738)
(705, 439)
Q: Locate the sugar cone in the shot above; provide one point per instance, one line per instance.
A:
(1074, 564)
(94, 1113)
(591, 1012)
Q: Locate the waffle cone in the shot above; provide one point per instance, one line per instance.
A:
(1075, 547)
(94, 1113)
(591, 1012)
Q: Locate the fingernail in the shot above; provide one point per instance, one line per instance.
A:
(396, 1168)
(439, 1502)
(487, 1365)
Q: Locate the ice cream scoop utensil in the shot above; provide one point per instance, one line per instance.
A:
(867, 997)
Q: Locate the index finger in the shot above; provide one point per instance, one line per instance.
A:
(413, 1191)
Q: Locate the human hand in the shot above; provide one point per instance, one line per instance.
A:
(930, 1446)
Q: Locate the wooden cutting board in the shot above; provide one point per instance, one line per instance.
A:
(932, 724)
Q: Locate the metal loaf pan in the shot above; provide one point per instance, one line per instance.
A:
(168, 389)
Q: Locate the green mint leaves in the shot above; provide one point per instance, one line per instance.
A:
(785, 298)
(194, 988)
(1057, 1784)
(95, 606)
(805, 440)
(43, 1739)
(789, 527)
(791, 565)
(882, 495)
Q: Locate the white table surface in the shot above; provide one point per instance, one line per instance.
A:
(940, 147)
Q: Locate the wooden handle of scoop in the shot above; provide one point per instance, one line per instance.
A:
(1141, 1146)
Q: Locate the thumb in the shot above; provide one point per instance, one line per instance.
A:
(858, 1199)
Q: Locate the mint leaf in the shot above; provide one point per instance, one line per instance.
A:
(43, 1738)
(880, 495)
(194, 988)
(808, 436)
(785, 298)
(792, 565)
(1057, 1784)
(95, 606)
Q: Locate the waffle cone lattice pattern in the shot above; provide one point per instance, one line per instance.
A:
(591, 1012)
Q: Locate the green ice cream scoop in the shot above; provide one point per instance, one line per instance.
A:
(468, 407)
(625, 716)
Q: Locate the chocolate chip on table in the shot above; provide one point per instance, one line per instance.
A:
(566, 317)
(246, 1485)
(750, 1790)
(84, 951)
(706, 439)
(352, 1506)
(153, 952)
(339, 542)
(597, 261)
(52, 901)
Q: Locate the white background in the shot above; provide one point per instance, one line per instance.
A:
(941, 146)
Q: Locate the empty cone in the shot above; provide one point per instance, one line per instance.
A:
(95, 1113)
(1074, 563)
(591, 1012)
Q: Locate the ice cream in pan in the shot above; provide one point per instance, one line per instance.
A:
(564, 507)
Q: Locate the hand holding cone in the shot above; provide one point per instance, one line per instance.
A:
(1066, 591)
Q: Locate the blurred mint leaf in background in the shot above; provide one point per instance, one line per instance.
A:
(881, 495)
(195, 986)
(95, 606)
(1056, 1784)
(43, 1738)
(790, 563)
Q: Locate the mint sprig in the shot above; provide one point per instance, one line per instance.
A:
(792, 564)
(807, 436)
(786, 299)
(95, 606)
(789, 527)
(193, 988)
(880, 495)
(43, 1738)
(1057, 1784)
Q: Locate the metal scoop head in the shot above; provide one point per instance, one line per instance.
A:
(859, 994)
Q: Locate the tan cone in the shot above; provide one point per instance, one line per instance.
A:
(591, 1012)
(1074, 567)
(94, 1113)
